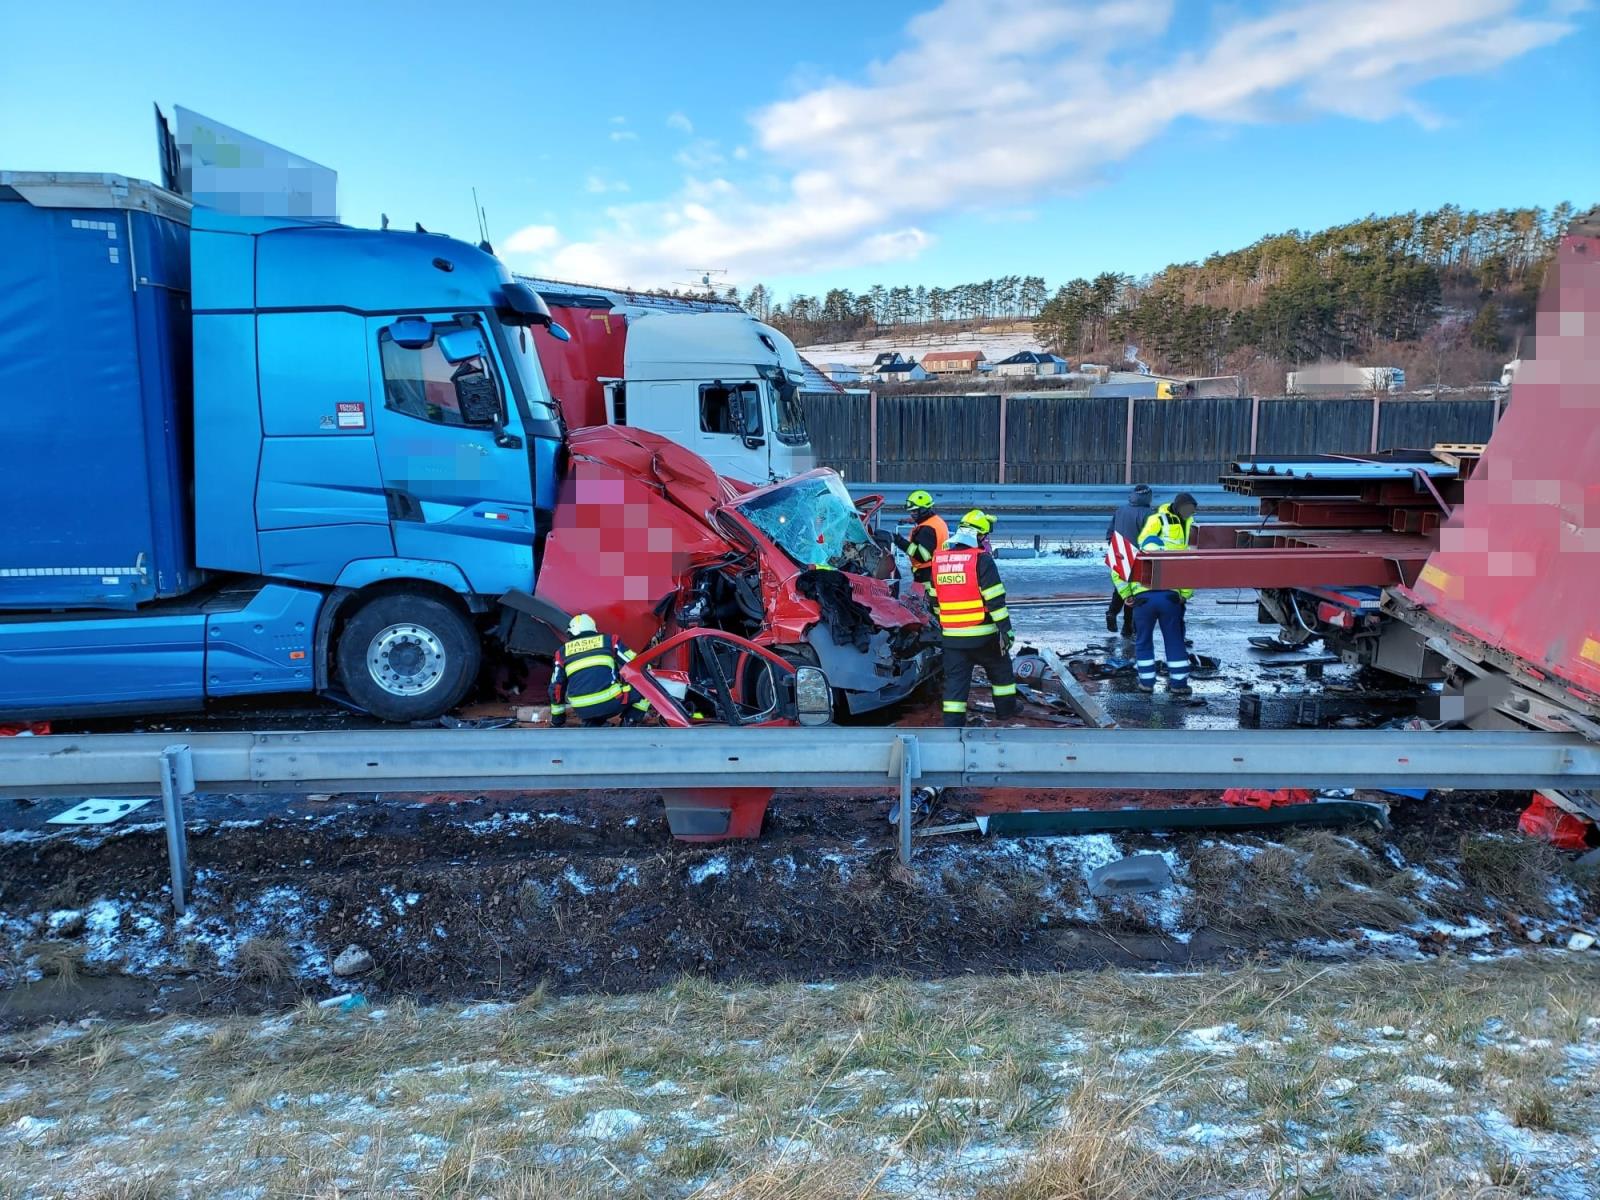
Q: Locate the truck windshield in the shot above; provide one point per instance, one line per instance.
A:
(815, 522)
(788, 416)
(525, 360)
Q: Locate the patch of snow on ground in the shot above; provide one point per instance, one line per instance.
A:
(488, 1008)
(709, 869)
(575, 879)
(1204, 1133)
(609, 1124)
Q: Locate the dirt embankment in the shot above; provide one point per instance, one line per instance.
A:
(494, 896)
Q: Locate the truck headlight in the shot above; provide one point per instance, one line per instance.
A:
(813, 697)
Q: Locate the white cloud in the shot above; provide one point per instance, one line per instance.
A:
(993, 103)
(598, 185)
(680, 122)
(532, 240)
(619, 120)
(624, 135)
(699, 155)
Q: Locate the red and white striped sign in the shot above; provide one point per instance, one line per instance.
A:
(1121, 556)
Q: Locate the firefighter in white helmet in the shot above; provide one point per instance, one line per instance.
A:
(586, 681)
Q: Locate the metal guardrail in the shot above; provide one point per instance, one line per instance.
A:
(415, 760)
(1028, 497)
(1056, 512)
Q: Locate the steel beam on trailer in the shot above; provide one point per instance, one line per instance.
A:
(868, 758)
(1269, 567)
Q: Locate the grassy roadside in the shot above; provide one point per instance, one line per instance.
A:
(1449, 1077)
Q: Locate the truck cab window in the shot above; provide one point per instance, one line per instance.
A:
(721, 405)
(426, 385)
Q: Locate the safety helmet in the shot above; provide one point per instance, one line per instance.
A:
(919, 499)
(979, 520)
(582, 623)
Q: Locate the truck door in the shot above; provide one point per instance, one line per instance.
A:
(732, 435)
(451, 449)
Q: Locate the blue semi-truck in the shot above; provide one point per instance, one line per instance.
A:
(246, 455)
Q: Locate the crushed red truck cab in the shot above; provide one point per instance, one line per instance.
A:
(650, 541)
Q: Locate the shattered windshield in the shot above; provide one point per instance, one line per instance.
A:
(815, 522)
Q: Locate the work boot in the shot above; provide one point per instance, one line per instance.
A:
(1147, 688)
(1181, 689)
(1127, 630)
(1111, 622)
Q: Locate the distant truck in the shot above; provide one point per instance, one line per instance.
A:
(704, 374)
(253, 455)
(1344, 379)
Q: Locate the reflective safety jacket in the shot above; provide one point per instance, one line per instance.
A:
(922, 545)
(586, 675)
(968, 597)
(1163, 530)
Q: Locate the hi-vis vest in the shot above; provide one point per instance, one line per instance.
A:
(1162, 530)
(921, 569)
(957, 594)
(588, 666)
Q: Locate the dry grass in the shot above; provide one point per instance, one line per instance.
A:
(60, 962)
(1315, 884)
(1297, 1081)
(266, 960)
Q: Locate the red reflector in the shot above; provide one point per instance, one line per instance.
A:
(296, 654)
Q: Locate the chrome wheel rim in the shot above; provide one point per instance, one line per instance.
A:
(406, 659)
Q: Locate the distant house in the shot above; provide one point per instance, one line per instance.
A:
(1031, 363)
(904, 371)
(841, 372)
(952, 362)
(884, 359)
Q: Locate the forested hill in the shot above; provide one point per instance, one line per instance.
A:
(1371, 289)
(1444, 294)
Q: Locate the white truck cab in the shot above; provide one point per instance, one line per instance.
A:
(723, 384)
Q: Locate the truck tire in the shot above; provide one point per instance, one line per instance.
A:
(407, 657)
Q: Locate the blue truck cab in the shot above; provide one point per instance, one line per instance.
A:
(255, 454)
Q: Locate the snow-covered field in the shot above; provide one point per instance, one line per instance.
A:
(996, 342)
(1445, 1078)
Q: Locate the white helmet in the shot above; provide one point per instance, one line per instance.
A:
(582, 623)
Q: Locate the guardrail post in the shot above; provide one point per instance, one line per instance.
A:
(1255, 422)
(1377, 406)
(910, 769)
(177, 785)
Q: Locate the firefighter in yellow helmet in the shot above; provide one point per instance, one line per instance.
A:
(928, 535)
(970, 602)
(586, 680)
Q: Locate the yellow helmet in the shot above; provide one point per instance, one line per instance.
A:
(979, 520)
(582, 623)
(919, 499)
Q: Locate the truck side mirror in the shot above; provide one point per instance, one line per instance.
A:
(412, 333)
(476, 397)
(461, 344)
(559, 332)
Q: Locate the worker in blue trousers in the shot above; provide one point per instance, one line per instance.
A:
(1167, 529)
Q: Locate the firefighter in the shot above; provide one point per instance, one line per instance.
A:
(928, 536)
(970, 603)
(586, 682)
(1169, 528)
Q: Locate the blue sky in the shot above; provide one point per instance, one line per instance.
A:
(844, 143)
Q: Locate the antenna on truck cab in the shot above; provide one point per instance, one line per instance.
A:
(483, 224)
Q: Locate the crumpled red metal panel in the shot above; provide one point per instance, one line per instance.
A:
(1518, 564)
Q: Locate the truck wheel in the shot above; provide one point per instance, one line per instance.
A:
(408, 658)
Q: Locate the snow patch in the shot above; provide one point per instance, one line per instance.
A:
(709, 869)
(609, 1124)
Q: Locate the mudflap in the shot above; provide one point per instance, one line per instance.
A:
(716, 814)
